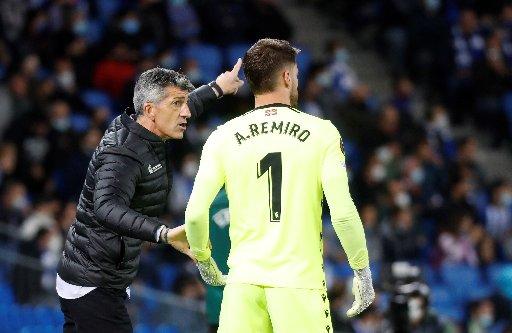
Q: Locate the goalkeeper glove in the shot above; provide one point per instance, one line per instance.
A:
(362, 289)
(211, 273)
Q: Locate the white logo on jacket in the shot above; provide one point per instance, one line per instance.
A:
(155, 168)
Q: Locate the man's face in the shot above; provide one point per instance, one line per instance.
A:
(294, 92)
(171, 114)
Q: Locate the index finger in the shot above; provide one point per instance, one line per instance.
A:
(237, 67)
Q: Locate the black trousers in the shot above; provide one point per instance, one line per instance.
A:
(101, 310)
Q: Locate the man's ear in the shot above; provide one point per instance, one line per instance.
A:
(287, 78)
(149, 110)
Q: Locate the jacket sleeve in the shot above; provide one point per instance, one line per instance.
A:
(344, 215)
(200, 99)
(115, 182)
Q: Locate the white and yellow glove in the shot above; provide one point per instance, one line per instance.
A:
(362, 288)
(210, 273)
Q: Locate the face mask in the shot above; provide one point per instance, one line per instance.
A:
(378, 173)
(415, 312)
(418, 176)
(20, 203)
(194, 75)
(486, 320)
(61, 124)
(506, 199)
(169, 61)
(384, 155)
(441, 122)
(66, 80)
(190, 169)
(341, 55)
(402, 200)
(130, 26)
(80, 28)
(432, 5)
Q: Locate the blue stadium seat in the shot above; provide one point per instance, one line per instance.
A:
(208, 57)
(235, 51)
(461, 279)
(445, 304)
(430, 275)
(304, 63)
(93, 98)
(44, 315)
(353, 155)
(80, 123)
(143, 328)
(500, 276)
(167, 274)
(6, 294)
(167, 329)
(375, 267)
(107, 9)
(57, 317)
(342, 271)
(40, 329)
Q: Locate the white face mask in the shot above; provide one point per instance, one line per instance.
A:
(20, 203)
(403, 200)
(418, 176)
(66, 80)
(384, 154)
(190, 168)
(61, 124)
(415, 312)
(442, 122)
(506, 199)
(378, 173)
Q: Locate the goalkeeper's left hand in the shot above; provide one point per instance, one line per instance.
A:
(362, 288)
(210, 273)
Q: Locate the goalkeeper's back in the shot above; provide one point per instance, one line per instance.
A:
(273, 159)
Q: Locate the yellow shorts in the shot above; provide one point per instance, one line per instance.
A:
(248, 308)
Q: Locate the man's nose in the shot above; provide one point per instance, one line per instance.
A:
(185, 111)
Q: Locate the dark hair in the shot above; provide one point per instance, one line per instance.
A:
(151, 84)
(264, 59)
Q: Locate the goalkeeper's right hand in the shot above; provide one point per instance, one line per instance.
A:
(362, 288)
(211, 273)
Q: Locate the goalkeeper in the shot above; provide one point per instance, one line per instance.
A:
(276, 163)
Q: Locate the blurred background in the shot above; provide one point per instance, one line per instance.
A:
(421, 91)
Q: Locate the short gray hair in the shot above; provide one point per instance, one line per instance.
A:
(151, 84)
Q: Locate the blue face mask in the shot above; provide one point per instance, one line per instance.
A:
(130, 26)
(80, 28)
(506, 199)
(169, 61)
(341, 55)
(177, 2)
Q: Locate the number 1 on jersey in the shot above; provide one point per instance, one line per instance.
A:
(272, 162)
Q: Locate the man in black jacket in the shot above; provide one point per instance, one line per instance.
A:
(125, 190)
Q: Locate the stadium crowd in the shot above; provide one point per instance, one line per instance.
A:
(67, 68)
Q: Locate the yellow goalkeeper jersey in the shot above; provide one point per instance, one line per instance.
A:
(276, 162)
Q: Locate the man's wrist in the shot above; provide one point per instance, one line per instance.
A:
(162, 234)
(216, 88)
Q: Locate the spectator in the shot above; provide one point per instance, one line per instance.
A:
(8, 161)
(456, 243)
(402, 241)
(482, 318)
(498, 213)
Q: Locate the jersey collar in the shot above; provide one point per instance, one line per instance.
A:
(266, 106)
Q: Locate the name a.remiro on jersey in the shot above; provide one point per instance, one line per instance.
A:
(266, 127)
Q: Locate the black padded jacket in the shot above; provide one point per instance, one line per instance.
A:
(125, 191)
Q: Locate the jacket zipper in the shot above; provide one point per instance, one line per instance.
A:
(121, 255)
